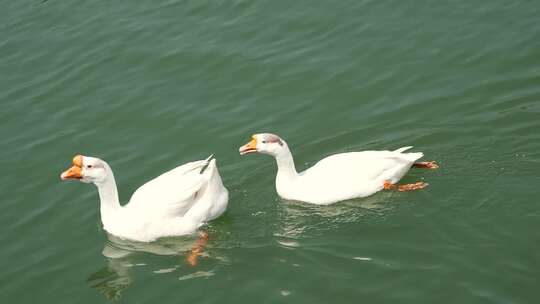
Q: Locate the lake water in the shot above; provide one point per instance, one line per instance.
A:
(148, 85)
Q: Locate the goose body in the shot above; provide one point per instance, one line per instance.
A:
(175, 203)
(335, 178)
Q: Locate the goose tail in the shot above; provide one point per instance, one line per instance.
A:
(403, 149)
(412, 157)
(207, 162)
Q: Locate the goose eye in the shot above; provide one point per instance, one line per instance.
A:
(264, 141)
(88, 166)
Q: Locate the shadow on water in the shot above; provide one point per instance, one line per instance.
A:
(298, 219)
(111, 280)
(118, 248)
(124, 257)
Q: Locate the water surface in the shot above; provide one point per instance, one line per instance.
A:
(150, 85)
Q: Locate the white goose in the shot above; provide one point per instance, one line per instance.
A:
(174, 203)
(337, 177)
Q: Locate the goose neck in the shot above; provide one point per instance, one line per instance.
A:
(109, 203)
(285, 164)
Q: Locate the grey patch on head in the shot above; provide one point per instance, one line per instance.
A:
(272, 138)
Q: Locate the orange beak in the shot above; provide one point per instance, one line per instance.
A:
(75, 172)
(250, 147)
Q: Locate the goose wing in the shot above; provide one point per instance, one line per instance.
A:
(172, 193)
(358, 166)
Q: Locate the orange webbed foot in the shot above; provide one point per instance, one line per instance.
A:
(426, 165)
(388, 185)
(197, 250)
(410, 187)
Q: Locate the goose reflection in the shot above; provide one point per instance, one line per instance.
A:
(111, 280)
(297, 218)
(123, 255)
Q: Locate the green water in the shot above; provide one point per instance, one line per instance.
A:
(148, 85)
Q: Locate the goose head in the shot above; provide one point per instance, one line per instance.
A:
(87, 170)
(265, 143)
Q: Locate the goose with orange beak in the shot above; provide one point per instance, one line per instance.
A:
(175, 203)
(75, 172)
(340, 176)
